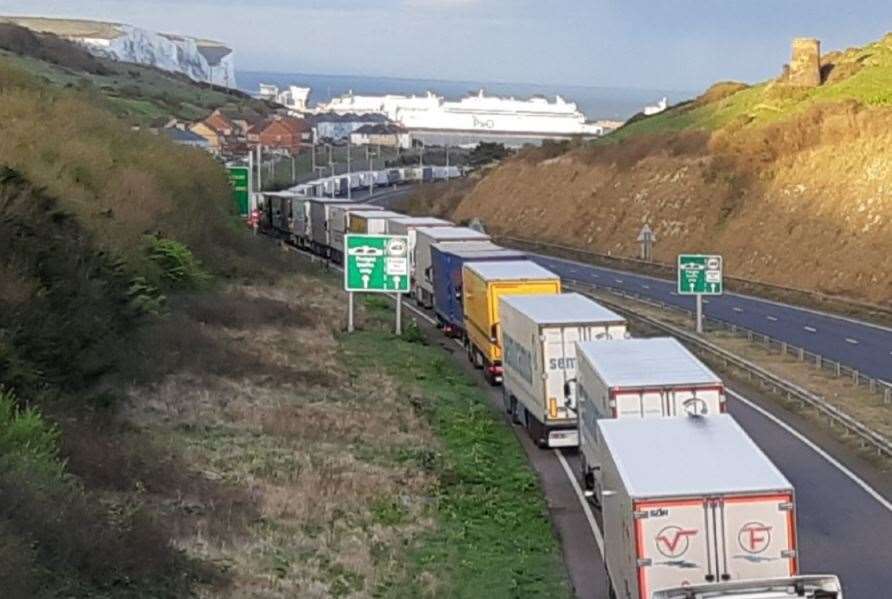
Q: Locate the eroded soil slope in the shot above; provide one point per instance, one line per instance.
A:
(804, 202)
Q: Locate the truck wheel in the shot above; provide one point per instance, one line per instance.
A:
(611, 594)
(469, 351)
(478, 359)
(514, 417)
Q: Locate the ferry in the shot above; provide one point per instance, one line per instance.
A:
(477, 114)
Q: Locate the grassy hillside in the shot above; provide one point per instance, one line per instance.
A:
(791, 185)
(861, 75)
(138, 94)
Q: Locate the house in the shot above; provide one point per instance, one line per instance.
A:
(282, 133)
(215, 129)
(185, 138)
(385, 134)
(336, 127)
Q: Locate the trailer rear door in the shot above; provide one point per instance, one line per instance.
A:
(668, 402)
(717, 539)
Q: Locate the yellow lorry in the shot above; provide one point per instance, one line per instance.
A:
(483, 283)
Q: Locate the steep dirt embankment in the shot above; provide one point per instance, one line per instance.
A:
(804, 203)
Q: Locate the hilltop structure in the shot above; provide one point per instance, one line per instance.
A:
(804, 69)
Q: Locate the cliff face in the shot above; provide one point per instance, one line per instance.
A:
(200, 60)
(171, 53)
(806, 202)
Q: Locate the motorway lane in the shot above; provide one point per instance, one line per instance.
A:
(857, 344)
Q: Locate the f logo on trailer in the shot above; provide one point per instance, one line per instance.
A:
(674, 541)
(754, 537)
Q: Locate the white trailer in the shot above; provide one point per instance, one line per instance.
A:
(538, 337)
(425, 237)
(370, 222)
(691, 501)
(320, 218)
(338, 222)
(638, 378)
(406, 225)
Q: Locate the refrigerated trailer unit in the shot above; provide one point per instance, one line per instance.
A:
(425, 237)
(691, 501)
(638, 378)
(483, 285)
(447, 259)
(370, 222)
(538, 334)
(812, 586)
(338, 222)
(320, 219)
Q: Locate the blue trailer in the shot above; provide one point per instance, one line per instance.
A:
(446, 263)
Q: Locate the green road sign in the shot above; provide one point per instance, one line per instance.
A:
(376, 263)
(239, 176)
(699, 275)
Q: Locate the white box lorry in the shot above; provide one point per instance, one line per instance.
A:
(338, 221)
(637, 378)
(406, 225)
(795, 587)
(692, 501)
(538, 336)
(425, 237)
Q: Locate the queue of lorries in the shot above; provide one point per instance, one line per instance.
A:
(691, 507)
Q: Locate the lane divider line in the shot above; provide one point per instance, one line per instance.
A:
(811, 329)
(814, 447)
(586, 508)
(771, 318)
(852, 341)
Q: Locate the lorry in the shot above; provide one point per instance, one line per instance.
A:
(370, 222)
(793, 587)
(425, 237)
(483, 285)
(319, 228)
(447, 259)
(338, 217)
(692, 501)
(538, 334)
(637, 378)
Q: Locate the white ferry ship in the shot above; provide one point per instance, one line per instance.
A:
(475, 115)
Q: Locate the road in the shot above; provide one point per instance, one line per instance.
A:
(845, 522)
(861, 345)
(844, 506)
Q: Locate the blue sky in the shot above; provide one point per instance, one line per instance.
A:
(668, 44)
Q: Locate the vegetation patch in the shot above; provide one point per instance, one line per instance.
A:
(492, 536)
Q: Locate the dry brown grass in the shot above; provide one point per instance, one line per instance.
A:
(316, 459)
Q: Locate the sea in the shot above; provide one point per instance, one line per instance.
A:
(596, 103)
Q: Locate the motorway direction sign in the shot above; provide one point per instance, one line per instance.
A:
(376, 263)
(239, 177)
(699, 274)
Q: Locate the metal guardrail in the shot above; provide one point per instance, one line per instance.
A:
(649, 267)
(873, 384)
(867, 436)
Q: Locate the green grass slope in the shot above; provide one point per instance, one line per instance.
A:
(861, 75)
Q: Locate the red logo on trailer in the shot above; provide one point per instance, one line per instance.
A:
(754, 537)
(674, 541)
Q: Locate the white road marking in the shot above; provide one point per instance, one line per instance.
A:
(852, 341)
(705, 301)
(673, 293)
(594, 276)
(814, 447)
(645, 286)
(586, 508)
(618, 281)
(737, 309)
(811, 329)
(772, 318)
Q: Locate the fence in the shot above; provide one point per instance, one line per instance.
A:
(835, 416)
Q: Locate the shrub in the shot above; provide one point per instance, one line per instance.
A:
(179, 268)
(26, 440)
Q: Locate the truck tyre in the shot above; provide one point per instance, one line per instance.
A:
(478, 359)
(469, 351)
(611, 594)
(514, 418)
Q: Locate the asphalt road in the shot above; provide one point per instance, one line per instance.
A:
(844, 507)
(860, 345)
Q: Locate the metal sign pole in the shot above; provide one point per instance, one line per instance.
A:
(399, 314)
(699, 312)
(350, 312)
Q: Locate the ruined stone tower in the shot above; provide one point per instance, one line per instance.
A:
(805, 66)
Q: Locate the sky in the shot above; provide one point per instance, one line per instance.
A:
(652, 44)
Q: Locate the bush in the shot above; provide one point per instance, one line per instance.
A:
(179, 268)
(26, 440)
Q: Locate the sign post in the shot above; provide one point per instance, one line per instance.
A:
(240, 178)
(700, 275)
(647, 239)
(376, 264)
